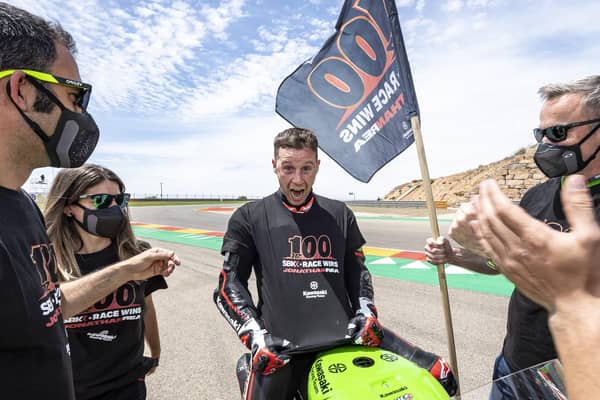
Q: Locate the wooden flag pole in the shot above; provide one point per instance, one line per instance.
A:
(416, 126)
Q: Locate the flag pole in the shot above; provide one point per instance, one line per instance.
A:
(416, 127)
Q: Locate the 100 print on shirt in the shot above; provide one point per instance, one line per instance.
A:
(121, 305)
(310, 255)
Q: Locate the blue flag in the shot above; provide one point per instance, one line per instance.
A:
(357, 93)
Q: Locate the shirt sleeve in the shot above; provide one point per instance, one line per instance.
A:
(238, 238)
(155, 283)
(358, 278)
(232, 296)
(354, 238)
(527, 198)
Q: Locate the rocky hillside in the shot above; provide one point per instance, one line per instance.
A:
(514, 174)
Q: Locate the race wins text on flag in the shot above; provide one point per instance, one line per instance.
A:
(357, 93)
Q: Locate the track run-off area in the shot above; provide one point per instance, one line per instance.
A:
(199, 349)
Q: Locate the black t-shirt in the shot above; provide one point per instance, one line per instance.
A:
(107, 339)
(528, 340)
(34, 357)
(299, 265)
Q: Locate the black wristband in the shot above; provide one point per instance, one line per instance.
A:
(154, 362)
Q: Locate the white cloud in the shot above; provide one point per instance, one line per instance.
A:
(220, 17)
(135, 57)
(453, 5)
(233, 159)
(320, 29)
(249, 82)
(270, 41)
(480, 3)
(458, 5)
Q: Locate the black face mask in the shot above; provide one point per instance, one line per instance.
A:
(104, 222)
(75, 136)
(554, 160)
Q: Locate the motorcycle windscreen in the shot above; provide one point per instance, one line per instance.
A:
(543, 381)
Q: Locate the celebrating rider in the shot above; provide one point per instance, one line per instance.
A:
(313, 285)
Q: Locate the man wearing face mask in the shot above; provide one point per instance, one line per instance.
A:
(43, 122)
(569, 140)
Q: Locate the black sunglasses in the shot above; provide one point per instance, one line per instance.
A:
(558, 133)
(104, 200)
(85, 89)
(82, 99)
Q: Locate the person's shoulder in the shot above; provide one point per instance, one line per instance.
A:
(551, 184)
(322, 200)
(9, 196)
(543, 190)
(331, 204)
(26, 194)
(30, 199)
(251, 206)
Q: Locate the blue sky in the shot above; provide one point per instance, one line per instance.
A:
(184, 91)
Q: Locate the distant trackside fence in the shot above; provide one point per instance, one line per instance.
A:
(233, 198)
(395, 204)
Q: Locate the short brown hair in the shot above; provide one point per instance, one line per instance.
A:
(296, 138)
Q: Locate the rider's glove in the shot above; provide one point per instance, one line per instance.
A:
(364, 328)
(436, 365)
(266, 348)
(442, 372)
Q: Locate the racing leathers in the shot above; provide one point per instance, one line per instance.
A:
(313, 288)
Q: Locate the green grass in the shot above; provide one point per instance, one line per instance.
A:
(182, 202)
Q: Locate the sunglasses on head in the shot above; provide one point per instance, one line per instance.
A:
(85, 89)
(104, 200)
(558, 133)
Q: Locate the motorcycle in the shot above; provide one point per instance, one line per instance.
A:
(344, 371)
(350, 372)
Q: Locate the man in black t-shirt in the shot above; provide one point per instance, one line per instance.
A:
(43, 122)
(314, 289)
(569, 139)
(559, 272)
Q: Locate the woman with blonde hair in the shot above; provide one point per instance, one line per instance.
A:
(88, 224)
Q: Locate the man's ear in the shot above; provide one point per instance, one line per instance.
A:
(274, 163)
(19, 89)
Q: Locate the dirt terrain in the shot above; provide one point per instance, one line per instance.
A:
(514, 174)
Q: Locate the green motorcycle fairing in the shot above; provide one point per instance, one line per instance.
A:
(365, 373)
